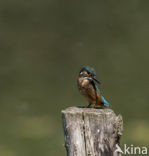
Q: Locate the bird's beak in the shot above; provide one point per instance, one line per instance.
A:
(95, 78)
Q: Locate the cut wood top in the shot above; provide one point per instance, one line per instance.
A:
(87, 110)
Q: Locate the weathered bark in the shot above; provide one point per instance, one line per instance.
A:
(91, 132)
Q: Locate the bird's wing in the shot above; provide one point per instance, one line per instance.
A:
(102, 98)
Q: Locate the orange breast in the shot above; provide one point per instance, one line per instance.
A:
(88, 91)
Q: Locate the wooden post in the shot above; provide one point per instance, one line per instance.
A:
(91, 132)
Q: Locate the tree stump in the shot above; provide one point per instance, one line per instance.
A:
(91, 132)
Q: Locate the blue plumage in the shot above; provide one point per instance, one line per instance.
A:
(101, 96)
(104, 101)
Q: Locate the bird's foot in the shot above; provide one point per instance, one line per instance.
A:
(89, 105)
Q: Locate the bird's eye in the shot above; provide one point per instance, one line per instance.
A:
(90, 74)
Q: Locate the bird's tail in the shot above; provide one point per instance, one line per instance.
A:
(107, 105)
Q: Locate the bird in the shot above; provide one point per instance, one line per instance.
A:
(87, 86)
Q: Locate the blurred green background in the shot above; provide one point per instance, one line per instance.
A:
(44, 43)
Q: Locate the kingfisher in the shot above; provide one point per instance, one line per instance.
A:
(87, 86)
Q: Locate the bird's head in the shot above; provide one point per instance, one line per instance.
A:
(89, 73)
